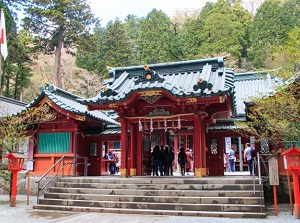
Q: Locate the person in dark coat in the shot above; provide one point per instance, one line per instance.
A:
(182, 160)
(167, 161)
(157, 157)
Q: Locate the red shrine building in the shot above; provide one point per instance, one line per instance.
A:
(190, 104)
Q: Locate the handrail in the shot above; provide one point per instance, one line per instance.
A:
(260, 177)
(61, 160)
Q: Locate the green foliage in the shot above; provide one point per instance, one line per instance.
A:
(270, 27)
(57, 25)
(224, 31)
(117, 51)
(46, 19)
(16, 71)
(276, 118)
(14, 130)
(286, 56)
(90, 53)
(156, 39)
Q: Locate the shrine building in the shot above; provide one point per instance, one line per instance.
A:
(191, 104)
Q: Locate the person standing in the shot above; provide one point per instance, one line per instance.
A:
(182, 160)
(112, 164)
(248, 157)
(157, 157)
(167, 161)
(188, 161)
(231, 160)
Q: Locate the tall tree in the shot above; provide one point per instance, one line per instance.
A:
(90, 53)
(117, 51)
(132, 32)
(16, 68)
(191, 34)
(222, 32)
(156, 38)
(57, 24)
(267, 30)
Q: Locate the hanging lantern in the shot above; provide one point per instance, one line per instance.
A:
(145, 126)
(179, 124)
(140, 125)
(166, 127)
(151, 125)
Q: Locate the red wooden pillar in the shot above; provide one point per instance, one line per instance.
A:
(124, 155)
(133, 150)
(176, 149)
(203, 149)
(198, 160)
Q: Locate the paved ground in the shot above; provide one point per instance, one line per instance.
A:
(24, 213)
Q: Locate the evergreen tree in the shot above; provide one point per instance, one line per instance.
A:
(266, 31)
(222, 32)
(132, 32)
(156, 39)
(117, 51)
(57, 24)
(191, 36)
(90, 53)
(16, 68)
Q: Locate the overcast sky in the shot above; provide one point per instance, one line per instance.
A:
(108, 10)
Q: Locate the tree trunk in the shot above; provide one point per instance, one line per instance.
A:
(56, 74)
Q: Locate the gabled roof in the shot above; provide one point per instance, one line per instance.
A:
(253, 84)
(68, 102)
(10, 106)
(195, 78)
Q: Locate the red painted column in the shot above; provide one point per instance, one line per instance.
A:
(176, 150)
(13, 195)
(124, 156)
(203, 149)
(198, 161)
(296, 194)
(133, 148)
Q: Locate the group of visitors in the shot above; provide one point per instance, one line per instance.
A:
(162, 159)
(249, 154)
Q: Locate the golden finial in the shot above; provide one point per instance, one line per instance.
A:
(146, 67)
(200, 80)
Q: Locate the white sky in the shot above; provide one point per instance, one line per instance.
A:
(108, 10)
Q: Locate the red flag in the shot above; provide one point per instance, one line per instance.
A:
(3, 35)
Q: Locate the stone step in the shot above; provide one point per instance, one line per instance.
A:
(158, 199)
(153, 212)
(186, 196)
(189, 193)
(162, 180)
(161, 186)
(153, 205)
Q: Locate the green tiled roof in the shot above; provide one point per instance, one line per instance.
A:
(68, 102)
(253, 84)
(180, 79)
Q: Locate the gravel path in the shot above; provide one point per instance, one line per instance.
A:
(24, 213)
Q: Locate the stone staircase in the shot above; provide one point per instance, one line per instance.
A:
(231, 196)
